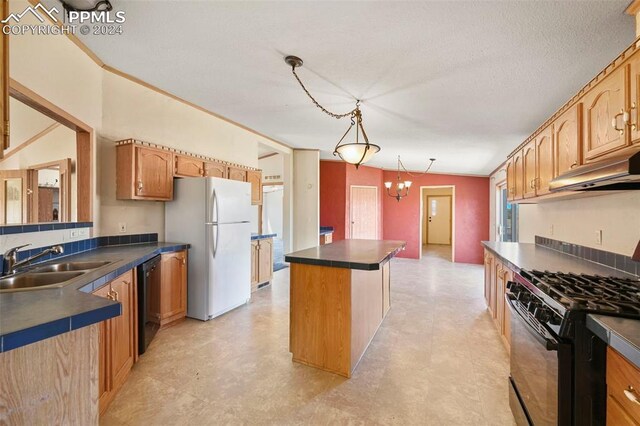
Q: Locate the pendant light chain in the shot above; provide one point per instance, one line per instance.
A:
(326, 111)
(400, 164)
(355, 153)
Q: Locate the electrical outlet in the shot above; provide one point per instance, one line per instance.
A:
(73, 234)
(599, 237)
(122, 227)
(83, 232)
(551, 230)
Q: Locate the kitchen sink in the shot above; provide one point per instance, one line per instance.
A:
(31, 280)
(70, 266)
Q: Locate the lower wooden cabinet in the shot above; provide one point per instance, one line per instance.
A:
(326, 239)
(117, 339)
(169, 301)
(623, 390)
(496, 277)
(173, 288)
(261, 262)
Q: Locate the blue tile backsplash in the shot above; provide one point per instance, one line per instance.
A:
(19, 229)
(74, 247)
(612, 260)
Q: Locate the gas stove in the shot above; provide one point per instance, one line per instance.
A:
(557, 364)
(588, 293)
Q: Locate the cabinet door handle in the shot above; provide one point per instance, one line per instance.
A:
(630, 393)
(614, 121)
(140, 186)
(574, 165)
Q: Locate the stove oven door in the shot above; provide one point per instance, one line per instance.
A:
(534, 369)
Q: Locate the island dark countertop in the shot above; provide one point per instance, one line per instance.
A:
(30, 316)
(352, 254)
(531, 256)
(622, 334)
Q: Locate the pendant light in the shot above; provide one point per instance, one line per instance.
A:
(401, 189)
(356, 152)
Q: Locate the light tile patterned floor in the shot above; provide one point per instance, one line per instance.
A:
(437, 359)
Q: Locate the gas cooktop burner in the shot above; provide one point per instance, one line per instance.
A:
(593, 293)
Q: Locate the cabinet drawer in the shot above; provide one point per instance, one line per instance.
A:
(616, 414)
(623, 383)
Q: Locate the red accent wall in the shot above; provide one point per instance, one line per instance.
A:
(333, 175)
(402, 219)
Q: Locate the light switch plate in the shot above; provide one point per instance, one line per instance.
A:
(599, 237)
(122, 227)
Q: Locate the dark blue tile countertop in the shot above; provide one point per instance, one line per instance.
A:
(622, 334)
(30, 316)
(262, 236)
(324, 230)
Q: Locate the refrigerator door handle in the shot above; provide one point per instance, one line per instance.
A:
(216, 236)
(215, 207)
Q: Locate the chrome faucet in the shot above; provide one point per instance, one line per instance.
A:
(10, 261)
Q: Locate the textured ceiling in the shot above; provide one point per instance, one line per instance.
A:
(464, 82)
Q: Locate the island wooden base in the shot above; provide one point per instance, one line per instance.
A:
(335, 312)
(53, 381)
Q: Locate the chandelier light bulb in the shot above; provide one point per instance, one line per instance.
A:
(407, 183)
(401, 185)
(387, 185)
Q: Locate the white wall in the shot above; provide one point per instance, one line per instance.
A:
(306, 198)
(576, 221)
(117, 108)
(271, 168)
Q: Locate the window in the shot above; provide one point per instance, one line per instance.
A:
(508, 219)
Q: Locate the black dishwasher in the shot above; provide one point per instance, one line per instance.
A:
(148, 302)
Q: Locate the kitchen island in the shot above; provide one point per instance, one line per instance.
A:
(340, 293)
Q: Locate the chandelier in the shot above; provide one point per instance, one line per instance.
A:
(402, 187)
(355, 153)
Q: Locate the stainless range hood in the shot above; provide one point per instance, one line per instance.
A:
(612, 174)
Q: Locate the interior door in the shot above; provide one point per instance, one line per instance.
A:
(364, 212)
(15, 197)
(439, 219)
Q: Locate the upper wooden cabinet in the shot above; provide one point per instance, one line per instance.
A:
(567, 130)
(511, 190)
(605, 129)
(186, 166)
(518, 176)
(254, 177)
(143, 173)
(215, 169)
(529, 169)
(146, 172)
(634, 95)
(544, 161)
(236, 173)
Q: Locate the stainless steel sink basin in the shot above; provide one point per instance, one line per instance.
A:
(70, 266)
(30, 280)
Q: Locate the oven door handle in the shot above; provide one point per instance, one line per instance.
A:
(549, 343)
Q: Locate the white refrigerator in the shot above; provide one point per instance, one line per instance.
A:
(213, 215)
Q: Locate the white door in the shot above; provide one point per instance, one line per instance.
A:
(364, 212)
(439, 219)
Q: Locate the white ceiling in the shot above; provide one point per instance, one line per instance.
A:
(464, 82)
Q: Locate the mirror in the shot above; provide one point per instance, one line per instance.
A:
(38, 181)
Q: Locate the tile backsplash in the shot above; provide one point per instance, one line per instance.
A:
(81, 245)
(612, 260)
